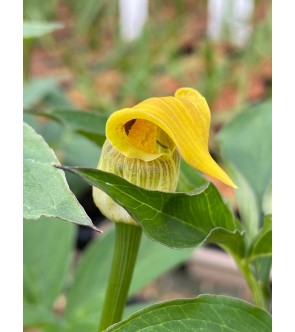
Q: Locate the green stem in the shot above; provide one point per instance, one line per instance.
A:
(126, 248)
(257, 291)
(255, 286)
(259, 295)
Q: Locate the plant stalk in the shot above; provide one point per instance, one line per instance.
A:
(257, 291)
(259, 295)
(127, 243)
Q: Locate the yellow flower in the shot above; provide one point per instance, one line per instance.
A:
(153, 133)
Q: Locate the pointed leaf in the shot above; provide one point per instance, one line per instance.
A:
(205, 313)
(177, 220)
(46, 192)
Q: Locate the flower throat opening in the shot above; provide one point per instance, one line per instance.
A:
(147, 136)
(143, 134)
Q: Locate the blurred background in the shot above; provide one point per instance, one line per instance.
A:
(110, 54)
(101, 56)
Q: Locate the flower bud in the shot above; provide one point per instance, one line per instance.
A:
(158, 174)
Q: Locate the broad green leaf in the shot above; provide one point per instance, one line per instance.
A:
(88, 124)
(208, 313)
(262, 244)
(86, 295)
(36, 314)
(48, 246)
(177, 220)
(33, 29)
(46, 192)
(246, 143)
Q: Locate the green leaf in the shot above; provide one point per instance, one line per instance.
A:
(132, 308)
(262, 267)
(36, 314)
(86, 295)
(189, 178)
(71, 148)
(82, 326)
(37, 89)
(48, 246)
(177, 220)
(32, 29)
(267, 201)
(46, 192)
(205, 313)
(262, 244)
(46, 91)
(246, 143)
(260, 257)
(88, 124)
(247, 202)
(154, 260)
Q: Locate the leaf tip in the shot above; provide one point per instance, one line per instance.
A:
(60, 166)
(97, 229)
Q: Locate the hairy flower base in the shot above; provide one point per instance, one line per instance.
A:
(159, 174)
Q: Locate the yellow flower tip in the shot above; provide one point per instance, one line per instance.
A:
(156, 126)
(224, 178)
(189, 93)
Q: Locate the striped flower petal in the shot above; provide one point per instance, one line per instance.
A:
(159, 125)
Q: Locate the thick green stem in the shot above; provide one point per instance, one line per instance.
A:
(128, 238)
